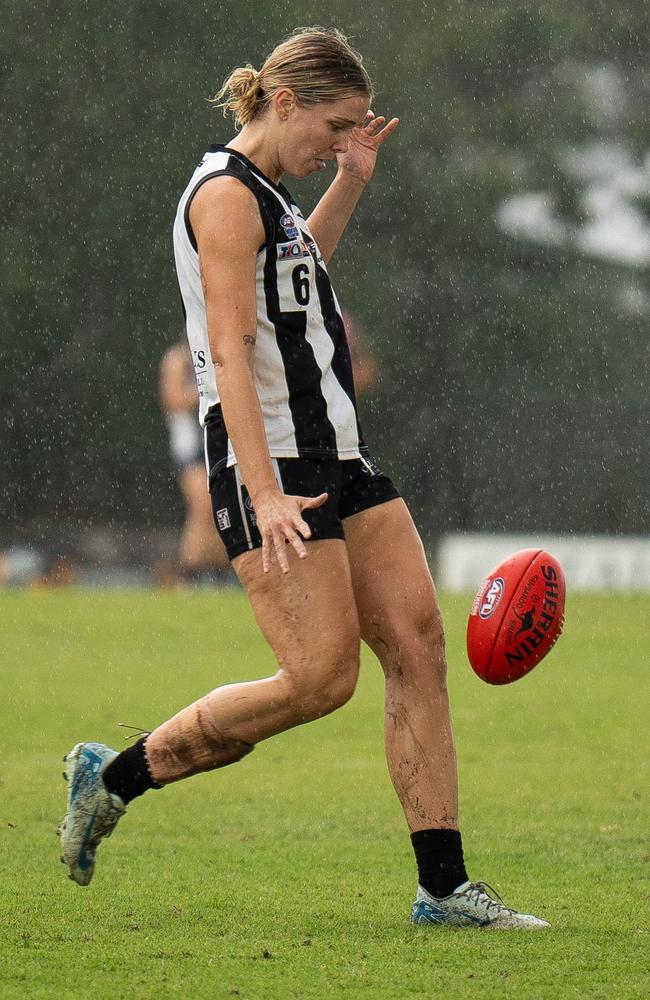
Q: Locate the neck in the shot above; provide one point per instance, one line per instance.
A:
(254, 143)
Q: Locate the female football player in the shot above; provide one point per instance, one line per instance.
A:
(321, 541)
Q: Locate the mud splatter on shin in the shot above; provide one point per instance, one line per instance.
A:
(190, 743)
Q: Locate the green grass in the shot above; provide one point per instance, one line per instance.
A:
(290, 874)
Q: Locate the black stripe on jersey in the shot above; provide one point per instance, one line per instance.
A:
(333, 323)
(313, 428)
(235, 168)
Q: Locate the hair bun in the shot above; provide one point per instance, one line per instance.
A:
(316, 63)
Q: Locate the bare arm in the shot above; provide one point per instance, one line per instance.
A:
(228, 229)
(333, 212)
(355, 168)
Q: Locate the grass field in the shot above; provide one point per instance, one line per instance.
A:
(290, 874)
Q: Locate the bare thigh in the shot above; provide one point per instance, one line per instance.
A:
(393, 588)
(309, 618)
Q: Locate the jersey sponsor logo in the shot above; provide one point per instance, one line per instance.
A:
(288, 223)
(492, 596)
(223, 519)
(288, 250)
(199, 360)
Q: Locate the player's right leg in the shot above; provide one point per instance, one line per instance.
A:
(309, 618)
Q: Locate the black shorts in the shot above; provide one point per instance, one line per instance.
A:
(352, 486)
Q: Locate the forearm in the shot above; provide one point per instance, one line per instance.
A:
(243, 417)
(333, 212)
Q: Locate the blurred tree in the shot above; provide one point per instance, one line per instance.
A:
(514, 362)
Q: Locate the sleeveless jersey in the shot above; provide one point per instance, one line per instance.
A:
(302, 370)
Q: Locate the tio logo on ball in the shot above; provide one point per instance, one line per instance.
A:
(492, 596)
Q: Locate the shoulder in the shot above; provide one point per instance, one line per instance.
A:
(226, 209)
(224, 195)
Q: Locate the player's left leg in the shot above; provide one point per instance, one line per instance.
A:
(400, 620)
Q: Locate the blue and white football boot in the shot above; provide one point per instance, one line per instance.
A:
(471, 906)
(92, 811)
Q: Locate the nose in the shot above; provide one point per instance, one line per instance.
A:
(341, 146)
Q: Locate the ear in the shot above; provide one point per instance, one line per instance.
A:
(284, 103)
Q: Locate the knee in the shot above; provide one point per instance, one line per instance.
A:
(324, 687)
(337, 690)
(413, 647)
(428, 629)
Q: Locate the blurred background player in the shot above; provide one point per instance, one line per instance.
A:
(364, 362)
(201, 554)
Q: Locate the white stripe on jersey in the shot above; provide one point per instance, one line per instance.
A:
(269, 366)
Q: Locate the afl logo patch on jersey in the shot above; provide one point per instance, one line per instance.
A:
(288, 223)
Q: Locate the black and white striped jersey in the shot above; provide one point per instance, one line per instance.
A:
(302, 368)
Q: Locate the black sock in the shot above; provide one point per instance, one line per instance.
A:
(128, 775)
(439, 857)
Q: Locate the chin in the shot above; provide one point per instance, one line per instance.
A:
(299, 173)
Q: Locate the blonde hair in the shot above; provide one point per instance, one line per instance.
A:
(318, 64)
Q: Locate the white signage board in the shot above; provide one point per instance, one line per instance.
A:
(590, 562)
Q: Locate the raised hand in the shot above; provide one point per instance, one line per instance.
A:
(361, 155)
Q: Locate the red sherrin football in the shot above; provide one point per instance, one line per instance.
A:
(517, 616)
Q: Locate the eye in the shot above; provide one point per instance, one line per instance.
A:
(336, 128)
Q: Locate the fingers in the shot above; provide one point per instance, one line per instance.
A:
(267, 539)
(274, 542)
(288, 531)
(312, 501)
(388, 129)
(280, 551)
(274, 545)
(373, 126)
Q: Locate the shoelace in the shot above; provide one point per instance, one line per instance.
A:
(137, 731)
(109, 823)
(476, 890)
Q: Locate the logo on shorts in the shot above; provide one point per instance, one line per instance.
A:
(251, 513)
(223, 519)
(369, 467)
(288, 223)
